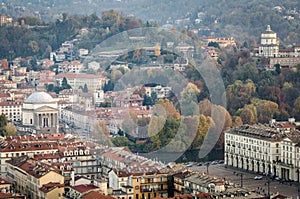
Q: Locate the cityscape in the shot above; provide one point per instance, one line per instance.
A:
(136, 100)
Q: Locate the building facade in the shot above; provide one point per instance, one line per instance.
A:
(264, 149)
(269, 44)
(40, 113)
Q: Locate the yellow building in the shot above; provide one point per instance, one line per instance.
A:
(52, 190)
(28, 176)
(179, 182)
(149, 186)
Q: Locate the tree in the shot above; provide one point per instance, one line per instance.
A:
(85, 89)
(10, 130)
(101, 133)
(246, 71)
(205, 107)
(147, 100)
(237, 121)
(203, 127)
(3, 123)
(214, 44)
(248, 115)
(277, 69)
(64, 84)
(239, 94)
(296, 110)
(120, 141)
(153, 97)
(189, 93)
(266, 110)
(169, 108)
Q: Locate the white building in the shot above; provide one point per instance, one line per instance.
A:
(12, 110)
(40, 113)
(253, 148)
(70, 67)
(290, 157)
(92, 81)
(161, 91)
(264, 149)
(269, 44)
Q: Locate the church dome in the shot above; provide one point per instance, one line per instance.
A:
(39, 97)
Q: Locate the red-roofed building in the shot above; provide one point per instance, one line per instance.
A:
(8, 84)
(51, 190)
(5, 185)
(96, 195)
(29, 176)
(80, 190)
(11, 196)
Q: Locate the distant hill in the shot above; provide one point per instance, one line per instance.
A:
(238, 18)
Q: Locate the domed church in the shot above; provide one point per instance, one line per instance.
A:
(40, 113)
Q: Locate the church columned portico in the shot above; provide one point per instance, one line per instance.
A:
(46, 120)
(40, 112)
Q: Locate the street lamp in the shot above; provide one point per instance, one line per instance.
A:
(241, 175)
(268, 182)
(207, 165)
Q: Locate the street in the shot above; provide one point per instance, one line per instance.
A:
(261, 185)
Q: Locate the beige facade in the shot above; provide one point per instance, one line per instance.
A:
(264, 149)
(269, 44)
(40, 112)
(52, 190)
(12, 110)
(92, 81)
(28, 178)
(149, 186)
(253, 148)
(285, 61)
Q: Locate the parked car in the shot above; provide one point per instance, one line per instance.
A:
(214, 162)
(277, 178)
(221, 162)
(258, 177)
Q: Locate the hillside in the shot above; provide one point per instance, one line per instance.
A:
(240, 19)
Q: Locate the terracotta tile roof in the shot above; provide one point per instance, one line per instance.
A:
(96, 195)
(50, 186)
(10, 196)
(285, 125)
(20, 146)
(46, 156)
(182, 175)
(4, 95)
(84, 188)
(3, 181)
(32, 167)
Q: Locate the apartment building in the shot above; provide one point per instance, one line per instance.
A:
(274, 149)
(92, 81)
(254, 148)
(196, 184)
(29, 176)
(12, 110)
(147, 185)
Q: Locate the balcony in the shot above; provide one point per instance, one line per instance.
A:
(153, 190)
(154, 181)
